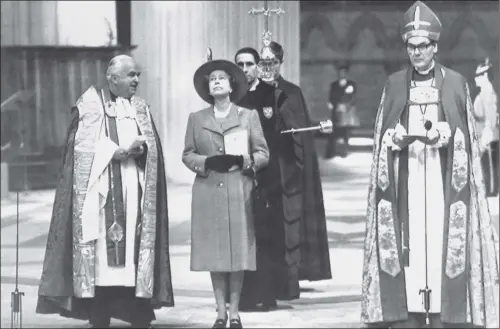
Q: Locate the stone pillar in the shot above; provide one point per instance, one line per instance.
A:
(4, 181)
(171, 39)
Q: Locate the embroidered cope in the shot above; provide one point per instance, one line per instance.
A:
(131, 176)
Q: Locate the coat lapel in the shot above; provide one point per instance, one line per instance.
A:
(209, 121)
(220, 128)
(231, 120)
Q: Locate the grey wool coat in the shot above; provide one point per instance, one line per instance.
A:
(222, 226)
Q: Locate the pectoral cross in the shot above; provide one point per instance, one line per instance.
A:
(422, 129)
(267, 12)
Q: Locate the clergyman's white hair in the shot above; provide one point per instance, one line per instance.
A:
(116, 64)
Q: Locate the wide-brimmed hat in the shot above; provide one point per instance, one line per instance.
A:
(239, 86)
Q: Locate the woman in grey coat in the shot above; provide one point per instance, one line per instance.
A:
(224, 145)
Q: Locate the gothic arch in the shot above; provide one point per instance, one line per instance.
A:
(322, 23)
(367, 20)
(464, 21)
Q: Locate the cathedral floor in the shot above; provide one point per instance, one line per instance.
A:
(324, 304)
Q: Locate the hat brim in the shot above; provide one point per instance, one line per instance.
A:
(432, 36)
(240, 86)
(482, 69)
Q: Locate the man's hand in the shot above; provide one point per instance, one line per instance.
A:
(120, 154)
(136, 152)
(432, 137)
(400, 137)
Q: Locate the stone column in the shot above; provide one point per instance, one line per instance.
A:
(171, 39)
(4, 180)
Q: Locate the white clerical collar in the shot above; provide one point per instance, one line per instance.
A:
(222, 114)
(426, 71)
(254, 85)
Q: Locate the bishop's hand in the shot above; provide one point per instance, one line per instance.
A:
(432, 137)
(400, 137)
(429, 134)
(136, 151)
(120, 154)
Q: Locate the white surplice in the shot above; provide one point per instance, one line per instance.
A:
(132, 176)
(415, 273)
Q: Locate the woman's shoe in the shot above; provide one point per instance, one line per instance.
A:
(220, 323)
(235, 323)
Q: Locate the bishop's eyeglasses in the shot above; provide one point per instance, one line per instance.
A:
(421, 47)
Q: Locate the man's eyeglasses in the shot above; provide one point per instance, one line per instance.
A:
(421, 47)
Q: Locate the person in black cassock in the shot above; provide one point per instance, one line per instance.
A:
(285, 230)
(314, 249)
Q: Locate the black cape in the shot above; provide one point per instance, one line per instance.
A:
(277, 226)
(314, 249)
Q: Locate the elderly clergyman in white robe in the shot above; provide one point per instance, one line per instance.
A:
(107, 251)
(427, 189)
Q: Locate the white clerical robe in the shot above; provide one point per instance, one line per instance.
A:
(131, 177)
(415, 273)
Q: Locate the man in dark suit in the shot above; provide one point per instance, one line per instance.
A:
(274, 277)
(293, 203)
(344, 117)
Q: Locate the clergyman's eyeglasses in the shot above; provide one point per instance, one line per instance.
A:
(421, 47)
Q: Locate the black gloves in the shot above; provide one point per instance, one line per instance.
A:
(238, 160)
(222, 163)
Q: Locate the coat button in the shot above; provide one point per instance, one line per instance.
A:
(221, 149)
(220, 184)
(196, 168)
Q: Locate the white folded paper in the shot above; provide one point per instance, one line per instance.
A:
(236, 143)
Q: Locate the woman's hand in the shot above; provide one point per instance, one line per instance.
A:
(222, 163)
